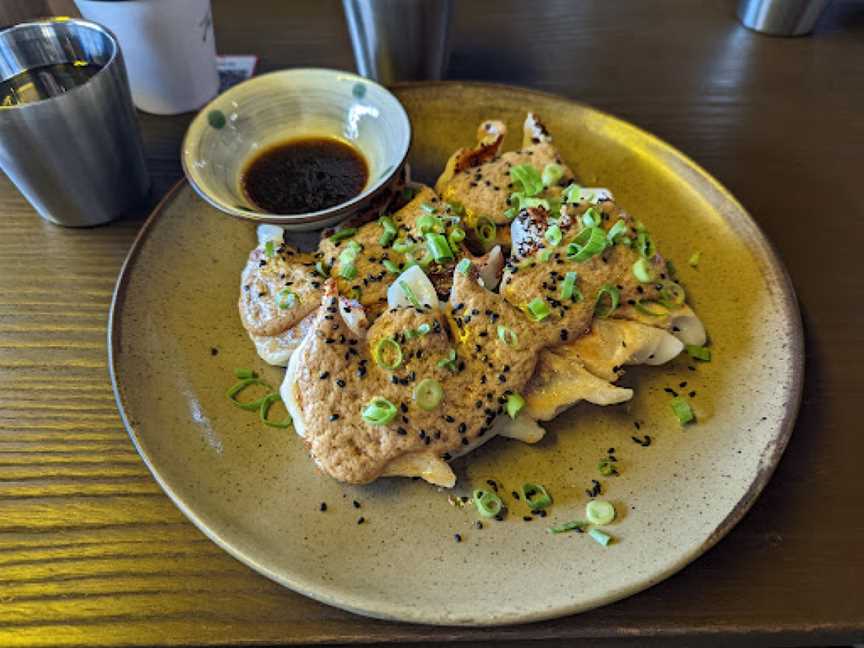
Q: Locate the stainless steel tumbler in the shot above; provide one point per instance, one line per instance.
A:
(399, 40)
(77, 156)
(781, 17)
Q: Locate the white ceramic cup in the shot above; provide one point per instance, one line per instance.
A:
(169, 48)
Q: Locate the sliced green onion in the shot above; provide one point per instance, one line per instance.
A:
(672, 293)
(694, 259)
(620, 228)
(572, 194)
(525, 202)
(601, 309)
(591, 218)
(342, 234)
(511, 213)
(285, 299)
(408, 193)
(437, 245)
(515, 404)
(409, 294)
(553, 235)
(379, 411)
(545, 255)
(488, 503)
(427, 223)
(423, 329)
(568, 287)
(528, 177)
(388, 353)
(269, 249)
(387, 223)
(450, 361)
(651, 308)
(457, 235)
(390, 267)
(429, 208)
(588, 243)
(356, 292)
(552, 173)
(699, 352)
(428, 394)
(348, 271)
(599, 512)
(238, 387)
(642, 270)
(644, 245)
(536, 496)
(682, 410)
(507, 336)
(390, 231)
(264, 410)
(539, 309)
(322, 269)
(599, 537)
(403, 247)
(486, 231)
(554, 207)
(463, 266)
(348, 256)
(243, 374)
(568, 526)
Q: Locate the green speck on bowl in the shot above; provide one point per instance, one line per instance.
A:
(216, 118)
(359, 90)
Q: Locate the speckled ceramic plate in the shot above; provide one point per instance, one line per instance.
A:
(175, 338)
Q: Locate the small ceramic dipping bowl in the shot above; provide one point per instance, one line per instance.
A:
(275, 108)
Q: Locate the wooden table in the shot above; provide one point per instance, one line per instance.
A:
(92, 552)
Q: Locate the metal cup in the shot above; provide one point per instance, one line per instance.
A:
(781, 17)
(399, 40)
(77, 156)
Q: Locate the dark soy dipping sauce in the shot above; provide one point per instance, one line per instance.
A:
(305, 175)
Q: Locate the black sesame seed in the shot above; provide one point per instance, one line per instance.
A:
(356, 504)
(214, 351)
(401, 431)
(527, 518)
(340, 383)
(457, 537)
(361, 520)
(478, 524)
(463, 428)
(334, 417)
(324, 375)
(323, 506)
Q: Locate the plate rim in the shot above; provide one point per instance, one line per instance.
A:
(768, 464)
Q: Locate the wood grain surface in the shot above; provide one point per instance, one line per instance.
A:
(92, 552)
